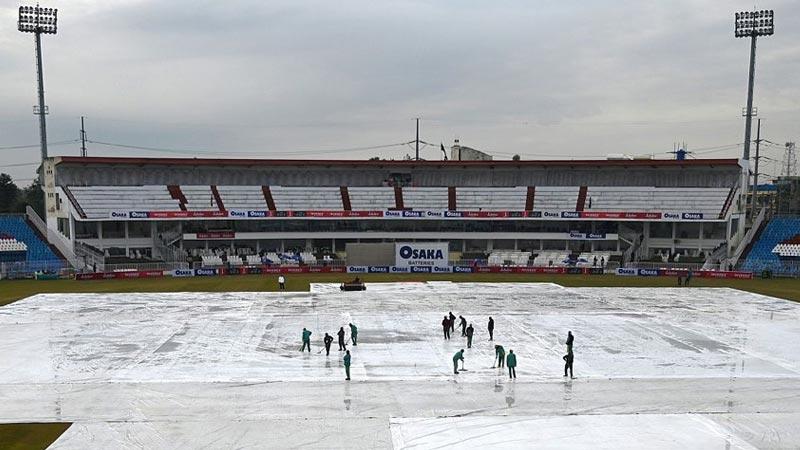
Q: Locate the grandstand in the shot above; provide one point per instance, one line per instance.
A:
(706, 201)
(778, 236)
(218, 212)
(21, 247)
(96, 202)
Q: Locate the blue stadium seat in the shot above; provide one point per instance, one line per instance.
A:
(39, 256)
(761, 256)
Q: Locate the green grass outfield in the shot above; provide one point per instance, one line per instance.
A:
(11, 291)
(30, 436)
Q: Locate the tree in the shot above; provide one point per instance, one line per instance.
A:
(375, 158)
(32, 196)
(8, 193)
(515, 158)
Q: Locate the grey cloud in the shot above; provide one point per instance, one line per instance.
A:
(563, 79)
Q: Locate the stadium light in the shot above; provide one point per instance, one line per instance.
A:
(752, 24)
(38, 20)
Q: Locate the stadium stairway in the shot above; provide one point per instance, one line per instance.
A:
(40, 255)
(777, 230)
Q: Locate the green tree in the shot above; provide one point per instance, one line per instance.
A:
(8, 193)
(515, 158)
(33, 196)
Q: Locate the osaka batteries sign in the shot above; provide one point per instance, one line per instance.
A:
(421, 254)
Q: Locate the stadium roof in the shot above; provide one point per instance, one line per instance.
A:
(392, 163)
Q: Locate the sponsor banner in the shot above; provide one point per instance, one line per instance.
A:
(378, 269)
(139, 215)
(357, 269)
(420, 269)
(217, 235)
(683, 272)
(575, 270)
(178, 214)
(325, 269)
(485, 214)
(593, 270)
(550, 215)
(203, 272)
(437, 269)
(325, 214)
(648, 272)
(462, 269)
(421, 254)
(118, 215)
(736, 275)
(119, 275)
(241, 214)
(619, 215)
(548, 270)
(182, 273)
(579, 235)
(395, 269)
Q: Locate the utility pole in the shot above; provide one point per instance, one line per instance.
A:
(83, 139)
(752, 24)
(789, 160)
(39, 20)
(754, 202)
(416, 141)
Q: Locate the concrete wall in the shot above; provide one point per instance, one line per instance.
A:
(370, 254)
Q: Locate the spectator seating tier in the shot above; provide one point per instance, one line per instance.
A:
(371, 198)
(242, 197)
(491, 199)
(307, 198)
(509, 257)
(199, 198)
(425, 198)
(787, 250)
(708, 201)
(97, 202)
(558, 198)
(39, 255)
(761, 256)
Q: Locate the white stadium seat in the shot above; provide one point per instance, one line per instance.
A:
(708, 201)
(371, 198)
(491, 199)
(434, 198)
(307, 198)
(97, 202)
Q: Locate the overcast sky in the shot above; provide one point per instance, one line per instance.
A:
(304, 79)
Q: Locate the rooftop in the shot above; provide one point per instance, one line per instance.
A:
(391, 163)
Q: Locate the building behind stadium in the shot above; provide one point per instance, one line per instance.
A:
(209, 211)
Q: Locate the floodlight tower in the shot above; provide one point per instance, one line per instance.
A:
(38, 20)
(752, 24)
